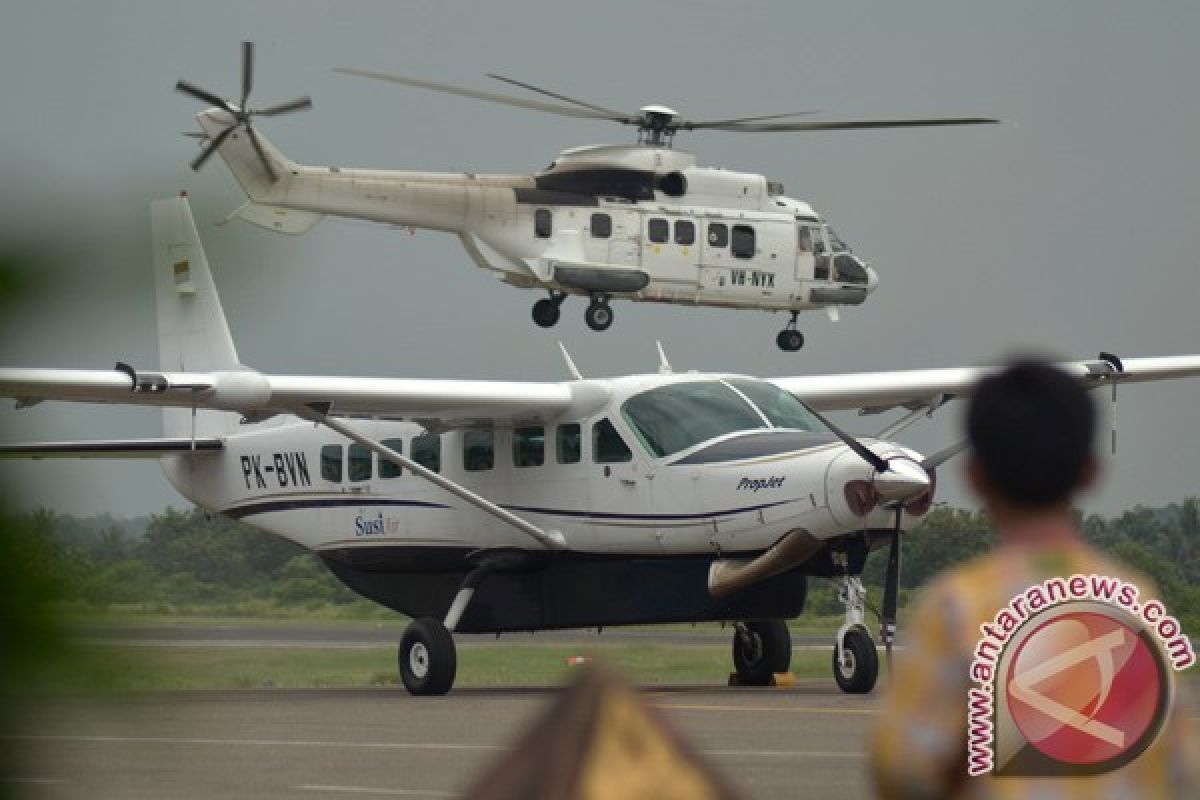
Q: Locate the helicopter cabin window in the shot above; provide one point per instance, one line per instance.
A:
(388, 469)
(743, 241)
(685, 232)
(568, 443)
(358, 463)
(658, 230)
(331, 463)
(427, 451)
(804, 242)
(718, 234)
(601, 226)
(479, 450)
(607, 445)
(543, 223)
(529, 446)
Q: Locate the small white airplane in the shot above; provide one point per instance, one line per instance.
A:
(490, 506)
(643, 222)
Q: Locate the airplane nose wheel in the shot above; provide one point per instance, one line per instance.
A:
(789, 339)
(761, 648)
(599, 315)
(427, 658)
(547, 310)
(855, 660)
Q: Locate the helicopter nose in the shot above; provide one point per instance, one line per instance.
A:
(872, 280)
(904, 480)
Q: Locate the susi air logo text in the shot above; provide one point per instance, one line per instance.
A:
(377, 525)
(756, 484)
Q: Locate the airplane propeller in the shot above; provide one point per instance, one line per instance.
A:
(656, 124)
(242, 115)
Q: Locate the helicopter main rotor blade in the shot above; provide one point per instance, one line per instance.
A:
(212, 146)
(203, 95)
(557, 96)
(247, 70)
(299, 104)
(710, 123)
(849, 125)
(491, 97)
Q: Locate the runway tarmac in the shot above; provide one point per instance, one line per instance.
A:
(805, 741)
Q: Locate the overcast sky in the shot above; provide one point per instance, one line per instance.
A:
(1069, 229)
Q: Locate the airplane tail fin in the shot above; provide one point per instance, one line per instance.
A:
(193, 335)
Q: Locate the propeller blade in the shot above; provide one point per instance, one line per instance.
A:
(712, 123)
(849, 125)
(216, 142)
(203, 95)
(934, 461)
(247, 70)
(891, 591)
(491, 97)
(262, 154)
(858, 447)
(558, 96)
(299, 104)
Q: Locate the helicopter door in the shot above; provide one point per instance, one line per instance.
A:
(671, 254)
(623, 248)
(806, 237)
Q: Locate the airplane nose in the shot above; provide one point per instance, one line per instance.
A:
(872, 280)
(904, 480)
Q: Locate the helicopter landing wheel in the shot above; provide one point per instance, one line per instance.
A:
(546, 313)
(790, 340)
(599, 315)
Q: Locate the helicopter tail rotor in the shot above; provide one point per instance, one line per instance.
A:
(241, 115)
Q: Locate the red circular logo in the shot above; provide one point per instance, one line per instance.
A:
(1085, 688)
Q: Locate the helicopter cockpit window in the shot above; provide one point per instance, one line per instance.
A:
(543, 223)
(718, 234)
(658, 230)
(673, 418)
(836, 243)
(601, 226)
(607, 445)
(743, 241)
(479, 450)
(685, 232)
(804, 242)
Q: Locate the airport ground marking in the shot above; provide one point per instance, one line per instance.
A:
(312, 787)
(769, 709)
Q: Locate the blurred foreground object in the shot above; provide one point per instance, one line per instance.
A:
(600, 739)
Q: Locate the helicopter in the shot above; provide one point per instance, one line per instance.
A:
(643, 221)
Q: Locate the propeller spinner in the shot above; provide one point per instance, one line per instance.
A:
(241, 114)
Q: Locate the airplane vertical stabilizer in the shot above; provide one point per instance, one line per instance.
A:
(193, 335)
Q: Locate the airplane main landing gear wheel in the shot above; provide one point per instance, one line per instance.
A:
(761, 648)
(599, 315)
(789, 339)
(546, 312)
(857, 669)
(427, 658)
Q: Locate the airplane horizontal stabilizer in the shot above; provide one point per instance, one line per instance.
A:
(275, 218)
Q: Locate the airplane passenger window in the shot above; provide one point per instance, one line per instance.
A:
(718, 234)
(601, 226)
(529, 446)
(658, 230)
(743, 241)
(685, 232)
(607, 445)
(358, 463)
(569, 443)
(427, 451)
(543, 223)
(479, 450)
(331, 463)
(386, 468)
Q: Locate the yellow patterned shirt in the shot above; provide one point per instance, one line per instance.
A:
(919, 748)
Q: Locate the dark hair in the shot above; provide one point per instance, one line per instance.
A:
(1030, 427)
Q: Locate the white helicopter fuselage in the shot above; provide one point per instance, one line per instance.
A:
(639, 222)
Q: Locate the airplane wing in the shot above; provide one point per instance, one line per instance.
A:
(880, 391)
(255, 394)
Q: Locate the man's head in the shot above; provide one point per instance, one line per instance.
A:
(1030, 428)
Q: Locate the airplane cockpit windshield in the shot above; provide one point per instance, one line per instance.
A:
(679, 416)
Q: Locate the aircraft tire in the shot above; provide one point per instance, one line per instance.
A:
(789, 340)
(427, 658)
(598, 316)
(858, 674)
(769, 653)
(545, 313)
